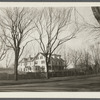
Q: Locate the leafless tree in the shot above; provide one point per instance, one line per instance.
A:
(95, 52)
(75, 56)
(81, 60)
(8, 60)
(96, 49)
(86, 58)
(3, 50)
(67, 58)
(50, 25)
(16, 26)
(84, 61)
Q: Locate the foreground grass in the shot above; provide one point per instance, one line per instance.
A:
(58, 84)
(53, 79)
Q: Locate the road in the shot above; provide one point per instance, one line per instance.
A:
(81, 84)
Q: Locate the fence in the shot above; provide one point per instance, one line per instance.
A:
(41, 75)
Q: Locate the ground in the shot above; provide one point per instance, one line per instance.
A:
(83, 84)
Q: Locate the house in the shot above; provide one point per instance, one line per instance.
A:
(38, 63)
(26, 65)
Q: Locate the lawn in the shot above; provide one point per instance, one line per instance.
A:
(59, 84)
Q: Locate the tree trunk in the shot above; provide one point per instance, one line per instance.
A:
(47, 66)
(15, 67)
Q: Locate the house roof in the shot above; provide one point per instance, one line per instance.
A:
(30, 59)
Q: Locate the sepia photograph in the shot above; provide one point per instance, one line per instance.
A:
(49, 49)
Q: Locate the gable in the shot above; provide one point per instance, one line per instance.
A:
(39, 56)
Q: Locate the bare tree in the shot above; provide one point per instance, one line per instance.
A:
(50, 26)
(86, 58)
(75, 56)
(95, 49)
(3, 50)
(84, 61)
(95, 52)
(16, 26)
(67, 58)
(8, 60)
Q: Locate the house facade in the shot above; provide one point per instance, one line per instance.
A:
(38, 63)
(26, 65)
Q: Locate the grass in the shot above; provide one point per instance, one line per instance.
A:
(58, 84)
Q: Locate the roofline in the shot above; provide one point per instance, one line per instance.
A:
(36, 56)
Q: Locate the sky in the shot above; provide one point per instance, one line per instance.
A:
(82, 40)
(85, 37)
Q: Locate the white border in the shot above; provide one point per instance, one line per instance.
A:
(49, 94)
(48, 4)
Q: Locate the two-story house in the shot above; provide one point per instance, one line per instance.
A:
(38, 63)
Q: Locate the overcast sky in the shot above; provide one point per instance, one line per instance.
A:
(83, 37)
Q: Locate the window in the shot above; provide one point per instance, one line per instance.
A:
(37, 57)
(37, 68)
(36, 62)
(42, 68)
(42, 62)
(26, 70)
(29, 68)
(25, 64)
(41, 57)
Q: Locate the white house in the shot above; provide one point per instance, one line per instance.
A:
(26, 65)
(38, 63)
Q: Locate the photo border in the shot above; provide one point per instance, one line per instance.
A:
(59, 95)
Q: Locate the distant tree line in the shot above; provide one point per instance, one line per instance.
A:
(84, 60)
